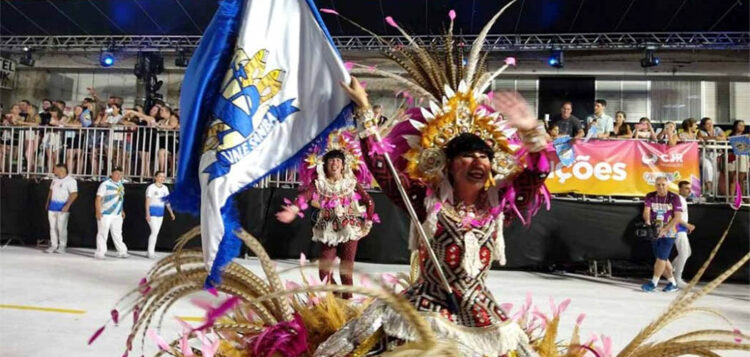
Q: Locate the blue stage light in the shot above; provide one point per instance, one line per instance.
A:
(107, 59)
(556, 59)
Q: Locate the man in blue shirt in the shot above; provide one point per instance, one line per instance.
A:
(604, 123)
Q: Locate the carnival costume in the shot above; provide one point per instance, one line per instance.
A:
(262, 317)
(346, 210)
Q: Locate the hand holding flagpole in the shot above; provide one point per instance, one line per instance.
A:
(357, 93)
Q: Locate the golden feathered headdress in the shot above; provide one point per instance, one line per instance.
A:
(454, 87)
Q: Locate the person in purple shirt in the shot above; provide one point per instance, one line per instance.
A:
(663, 210)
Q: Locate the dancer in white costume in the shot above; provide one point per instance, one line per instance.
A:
(155, 204)
(62, 192)
(110, 214)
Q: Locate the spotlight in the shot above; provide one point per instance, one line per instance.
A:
(556, 59)
(181, 60)
(26, 59)
(650, 60)
(106, 59)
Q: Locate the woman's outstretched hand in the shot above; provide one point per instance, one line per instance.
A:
(515, 109)
(356, 92)
(287, 214)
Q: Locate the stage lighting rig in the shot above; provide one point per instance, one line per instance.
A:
(556, 59)
(107, 59)
(26, 59)
(182, 59)
(650, 60)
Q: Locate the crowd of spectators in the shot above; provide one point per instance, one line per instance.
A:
(88, 137)
(669, 133)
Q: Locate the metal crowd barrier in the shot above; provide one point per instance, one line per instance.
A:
(91, 153)
(88, 153)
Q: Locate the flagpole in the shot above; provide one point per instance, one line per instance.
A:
(452, 300)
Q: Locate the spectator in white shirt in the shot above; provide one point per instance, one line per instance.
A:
(708, 132)
(156, 193)
(62, 192)
(604, 123)
(683, 229)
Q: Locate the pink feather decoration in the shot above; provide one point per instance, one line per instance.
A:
(159, 340)
(115, 316)
(563, 306)
(389, 278)
(213, 292)
(136, 314)
(96, 335)
(286, 338)
(390, 21)
(125, 354)
(542, 163)
(738, 335)
(510, 61)
(506, 307)
(737, 195)
(185, 346)
(580, 318)
(348, 65)
(290, 285)
(214, 313)
(375, 218)
(452, 14)
(329, 11)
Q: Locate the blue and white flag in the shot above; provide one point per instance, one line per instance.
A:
(740, 144)
(564, 149)
(254, 103)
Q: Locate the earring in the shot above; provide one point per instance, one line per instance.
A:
(489, 183)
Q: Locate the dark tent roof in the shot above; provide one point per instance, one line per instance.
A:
(190, 17)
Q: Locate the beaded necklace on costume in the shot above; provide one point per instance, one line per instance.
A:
(343, 187)
(470, 218)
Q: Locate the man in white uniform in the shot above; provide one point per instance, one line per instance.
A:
(109, 214)
(62, 192)
(155, 204)
(682, 243)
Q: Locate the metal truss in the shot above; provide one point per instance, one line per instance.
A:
(493, 42)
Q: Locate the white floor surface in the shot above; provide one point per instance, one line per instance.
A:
(84, 290)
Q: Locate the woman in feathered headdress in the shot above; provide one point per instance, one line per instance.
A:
(334, 183)
(466, 172)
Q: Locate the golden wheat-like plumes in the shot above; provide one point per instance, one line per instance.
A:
(688, 343)
(262, 303)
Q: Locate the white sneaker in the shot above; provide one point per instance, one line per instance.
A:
(681, 284)
(60, 250)
(123, 255)
(99, 257)
(151, 256)
(49, 250)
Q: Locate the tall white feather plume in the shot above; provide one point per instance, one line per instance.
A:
(486, 80)
(435, 108)
(414, 87)
(426, 114)
(417, 124)
(448, 91)
(413, 140)
(462, 87)
(477, 45)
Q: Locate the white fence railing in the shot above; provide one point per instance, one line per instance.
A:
(88, 153)
(91, 153)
